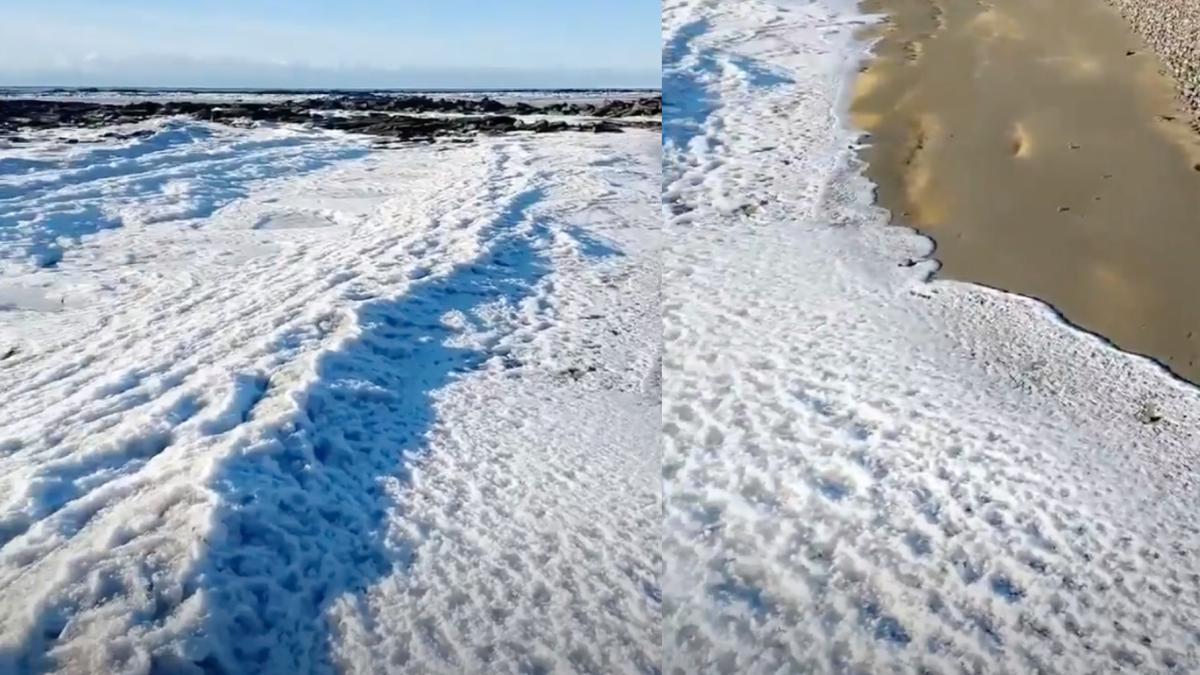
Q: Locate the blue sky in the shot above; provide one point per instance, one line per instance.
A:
(351, 43)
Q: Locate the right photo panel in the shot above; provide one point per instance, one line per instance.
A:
(930, 340)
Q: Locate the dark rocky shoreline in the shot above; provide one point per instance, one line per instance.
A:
(411, 118)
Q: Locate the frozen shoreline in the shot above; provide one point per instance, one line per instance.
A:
(866, 470)
(304, 408)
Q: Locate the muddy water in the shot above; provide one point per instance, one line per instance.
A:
(1041, 147)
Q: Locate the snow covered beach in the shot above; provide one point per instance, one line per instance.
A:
(275, 400)
(866, 471)
(281, 398)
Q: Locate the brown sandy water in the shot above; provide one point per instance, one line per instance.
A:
(1040, 145)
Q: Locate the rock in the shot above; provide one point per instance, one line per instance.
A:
(488, 105)
(605, 128)
(546, 126)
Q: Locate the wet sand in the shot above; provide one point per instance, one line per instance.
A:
(1043, 148)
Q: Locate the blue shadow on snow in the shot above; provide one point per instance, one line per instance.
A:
(687, 103)
(305, 517)
(687, 100)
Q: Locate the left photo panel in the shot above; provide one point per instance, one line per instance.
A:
(330, 337)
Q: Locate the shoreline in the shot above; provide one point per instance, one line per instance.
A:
(967, 455)
(867, 36)
(1062, 174)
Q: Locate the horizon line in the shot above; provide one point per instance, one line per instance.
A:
(284, 90)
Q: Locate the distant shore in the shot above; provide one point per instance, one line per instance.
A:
(406, 117)
(134, 94)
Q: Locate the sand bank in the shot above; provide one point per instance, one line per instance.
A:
(1169, 29)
